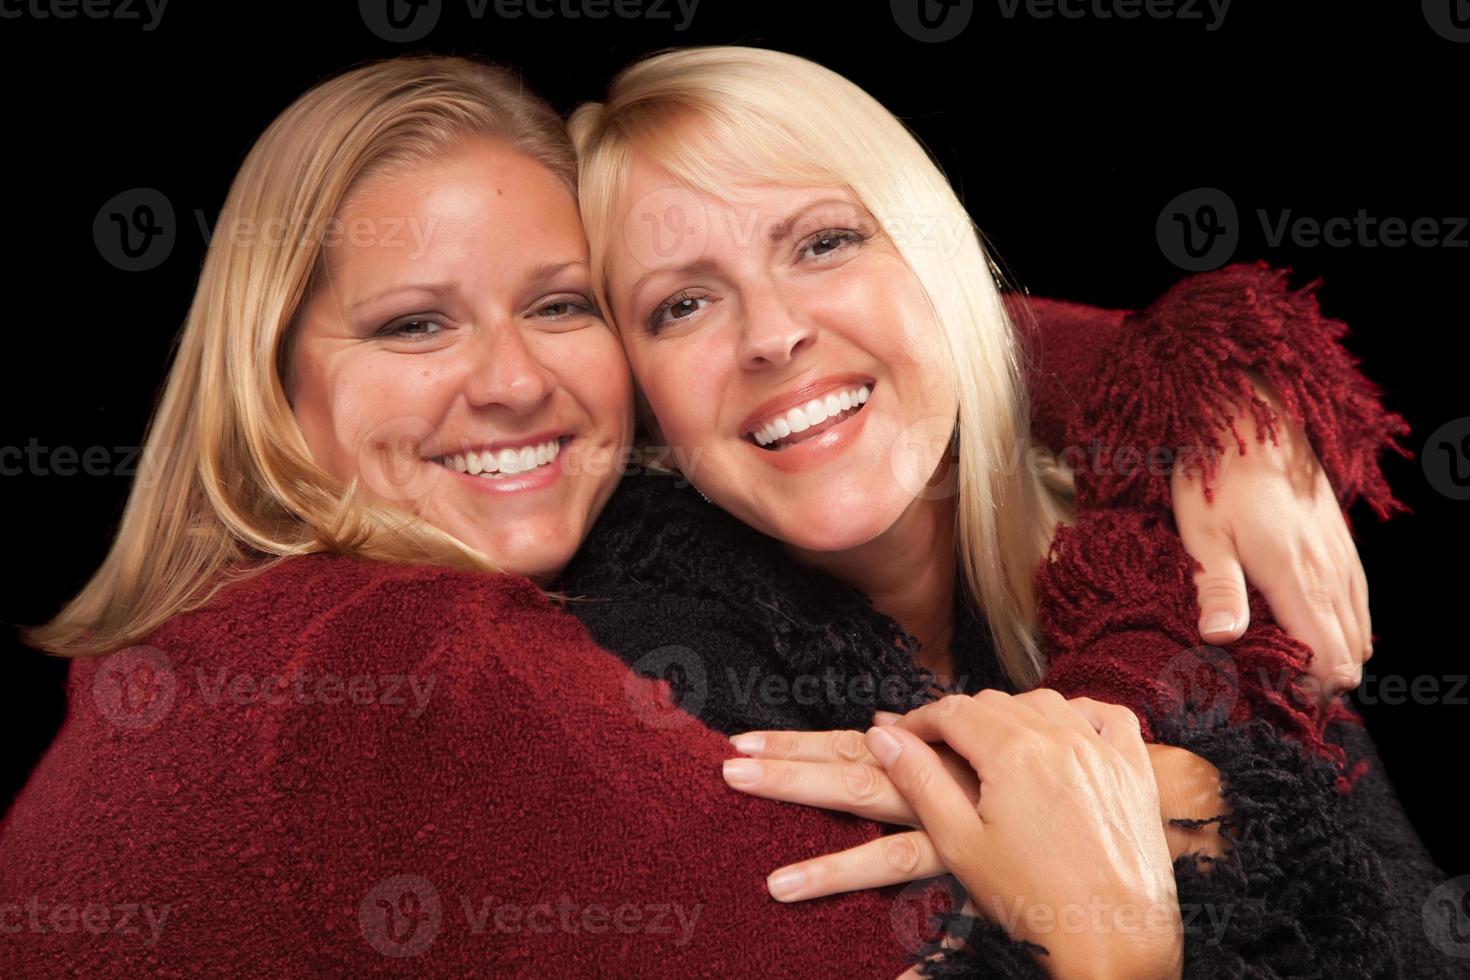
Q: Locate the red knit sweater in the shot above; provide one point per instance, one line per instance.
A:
(345, 768)
(525, 810)
(1117, 604)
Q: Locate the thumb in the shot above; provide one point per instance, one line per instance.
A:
(1220, 587)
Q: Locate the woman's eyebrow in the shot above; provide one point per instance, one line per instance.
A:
(543, 271)
(697, 267)
(783, 227)
(433, 289)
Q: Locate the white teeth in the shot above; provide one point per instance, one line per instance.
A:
(814, 412)
(505, 462)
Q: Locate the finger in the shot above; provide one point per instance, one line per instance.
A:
(1360, 604)
(1119, 727)
(890, 860)
(1305, 606)
(834, 746)
(885, 717)
(1349, 671)
(974, 727)
(852, 787)
(1219, 584)
(1054, 708)
(953, 825)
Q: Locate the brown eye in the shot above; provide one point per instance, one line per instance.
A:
(825, 243)
(680, 307)
(562, 308)
(412, 329)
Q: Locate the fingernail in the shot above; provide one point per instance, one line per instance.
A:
(741, 772)
(1220, 622)
(884, 746)
(749, 742)
(885, 717)
(786, 883)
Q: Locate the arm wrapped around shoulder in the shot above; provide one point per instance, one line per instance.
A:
(1114, 386)
(1182, 366)
(1116, 606)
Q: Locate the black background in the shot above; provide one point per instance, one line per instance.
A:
(1067, 137)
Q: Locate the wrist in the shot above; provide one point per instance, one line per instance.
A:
(1132, 959)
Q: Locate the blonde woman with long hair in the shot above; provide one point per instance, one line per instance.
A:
(324, 719)
(856, 395)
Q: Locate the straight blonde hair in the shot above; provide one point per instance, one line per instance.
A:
(712, 115)
(228, 485)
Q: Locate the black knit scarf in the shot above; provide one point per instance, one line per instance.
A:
(747, 638)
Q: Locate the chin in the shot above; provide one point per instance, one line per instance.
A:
(829, 527)
(532, 549)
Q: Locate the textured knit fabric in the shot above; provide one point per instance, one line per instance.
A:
(450, 779)
(1117, 602)
(683, 591)
(443, 775)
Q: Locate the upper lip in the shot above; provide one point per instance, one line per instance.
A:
(783, 403)
(519, 442)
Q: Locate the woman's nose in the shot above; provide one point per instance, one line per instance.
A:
(507, 371)
(772, 337)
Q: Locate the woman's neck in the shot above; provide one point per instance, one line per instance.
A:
(908, 573)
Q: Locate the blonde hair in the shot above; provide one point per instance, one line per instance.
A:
(709, 115)
(228, 484)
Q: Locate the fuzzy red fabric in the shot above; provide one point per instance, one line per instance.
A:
(191, 815)
(247, 795)
(1116, 601)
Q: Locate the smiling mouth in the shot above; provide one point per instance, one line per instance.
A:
(502, 463)
(811, 419)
